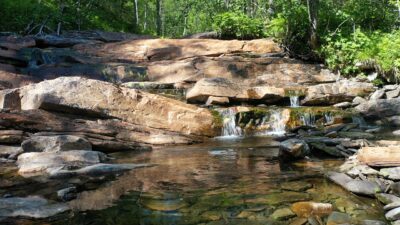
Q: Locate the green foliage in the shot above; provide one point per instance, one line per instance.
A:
(276, 28)
(237, 25)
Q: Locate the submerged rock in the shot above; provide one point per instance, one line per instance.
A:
(33, 207)
(283, 214)
(356, 186)
(308, 209)
(337, 218)
(55, 143)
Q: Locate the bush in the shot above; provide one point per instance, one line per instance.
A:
(237, 25)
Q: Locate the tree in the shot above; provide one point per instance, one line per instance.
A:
(312, 6)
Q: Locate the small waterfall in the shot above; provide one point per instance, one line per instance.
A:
(329, 118)
(308, 119)
(294, 101)
(229, 128)
(360, 121)
(277, 123)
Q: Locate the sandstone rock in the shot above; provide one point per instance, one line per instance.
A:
(308, 209)
(38, 163)
(380, 156)
(394, 120)
(267, 94)
(390, 87)
(212, 100)
(341, 91)
(380, 108)
(55, 143)
(294, 148)
(218, 87)
(32, 207)
(10, 151)
(343, 105)
(79, 95)
(16, 42)
(378, 94)
(13, 80)
(10, 99)
(11, 136)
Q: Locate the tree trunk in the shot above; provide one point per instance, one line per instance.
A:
(137, 13)
(271, 10)
(145, 17)
(313, 18)
(159, 17)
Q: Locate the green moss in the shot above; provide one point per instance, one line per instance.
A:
(218, 120)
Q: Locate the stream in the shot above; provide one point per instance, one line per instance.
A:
(224, 181)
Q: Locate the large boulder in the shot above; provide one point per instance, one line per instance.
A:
(333, 93)
(38, 163)
(55, 143)
(380, 108)
(294, 148)
(217, 87)
(101, 99)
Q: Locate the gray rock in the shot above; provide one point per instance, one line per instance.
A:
(358, 100)
(372, 222)
(96, 170)
(339, 218)
(11, 137)
(332, 151)
(363, 187)
(362, 169)
(390, 87)
(32, 207)
(10, 151)
(343, 105)
(378, 94)
(397, 222)
(387, 198)
(380, 108)
(294, 148)
(339, 178)
(395, 187)
(391, 206)
(55, 143)
(397, 132)
(392, 173)
(393, 94)
(394, 120)
(41, 163)
(67, 194)
(356, 135)
(393, 214)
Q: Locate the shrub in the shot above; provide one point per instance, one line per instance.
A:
(237, 25)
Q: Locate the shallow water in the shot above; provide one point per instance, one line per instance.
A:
(226, 181)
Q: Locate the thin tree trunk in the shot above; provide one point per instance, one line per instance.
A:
(313, 18)
(145, 17)
(137, 13)
(159, 17)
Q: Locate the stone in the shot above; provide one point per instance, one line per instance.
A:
(391, 206)
(55, 143)
(332, 151)
(395, 187)
(355, 135)
(380, 108)
(333, 93)
(282, 214)
(39, 163)
(392, 173)
(11, 136)
(61, 42)
(212, 100)
(10, 151)
(380, 156)
(393, 94)
(337, 218)
(393, 120)
(32, 207)
(393, 214)
(343, 105)
(299, 186)
(77, 95)
(67, 194)
(309, 209)
(396, 132)
(358, 100)
(362, 169)
(148, 85)
(378, 94)
(390, 87)
(363, 187)
(372, 222)
(294, 148)
(9, 99)
(387, 198)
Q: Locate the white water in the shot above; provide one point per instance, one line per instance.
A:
(277, 123)
(294, 101)
(229, 128)
(308, 119)
(329, 118)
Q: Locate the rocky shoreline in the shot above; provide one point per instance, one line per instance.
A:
(67, 102)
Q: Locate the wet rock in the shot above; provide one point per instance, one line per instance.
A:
(333, 93)
(393, 214)
(212, 100)
(283, 214)
(362, 170)
(77, 95)
(299, 221)
(380, 108)
(332, 151)
(378, 94)
(356, 135)
(11, 136)
(337, 218)
(299, 186)
(32, 207)
(10, 151)
(163, 204)
(294, 148)
(355, 186)
(96, 170)
(395, 187)
(55, 143)
(67, 194)
(44, 162)
(308, 209)
(380, 157)
(387, 198)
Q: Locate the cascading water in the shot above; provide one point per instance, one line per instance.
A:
(277, 123)
(229, 128)
(308, 119)
(329, 118)
(294, 101)
(360, 121)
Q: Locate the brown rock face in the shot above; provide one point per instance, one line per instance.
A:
(380, 156)
(79, 95)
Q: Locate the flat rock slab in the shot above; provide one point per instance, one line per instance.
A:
(32, 207)
(55, 143)
(380, 156)
(355, 186)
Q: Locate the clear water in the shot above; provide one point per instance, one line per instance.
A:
(234, 181)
